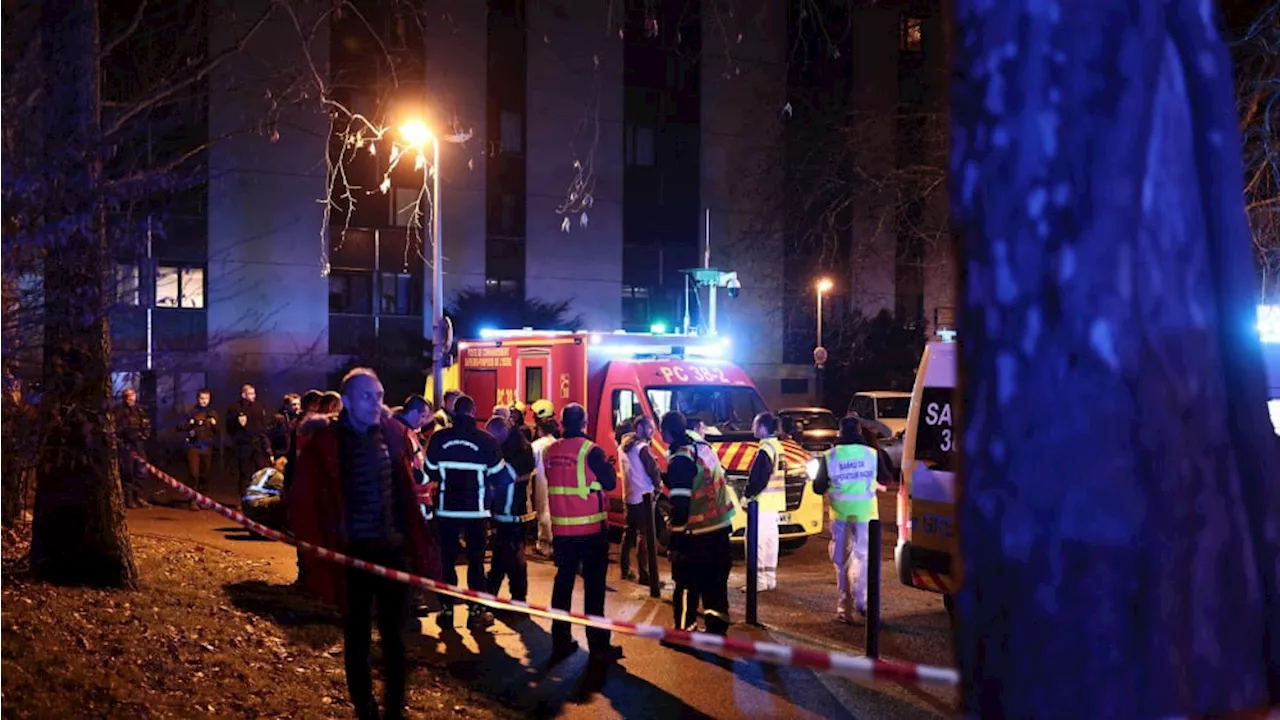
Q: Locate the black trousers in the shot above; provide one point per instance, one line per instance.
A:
(392, 599)
(132, 472)
(590, 554)
(250, 458)
(637, 525)
(451, 529)
(508, 560)
(701, 573)
(199, 465)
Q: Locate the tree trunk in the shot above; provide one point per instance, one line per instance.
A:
(1120, 508)
(79, 534)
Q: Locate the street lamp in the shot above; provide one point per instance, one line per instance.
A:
(417, 134)
(824, 287)
(819, 352)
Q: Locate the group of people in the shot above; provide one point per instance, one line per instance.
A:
(413, 490)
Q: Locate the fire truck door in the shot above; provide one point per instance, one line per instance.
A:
(482, 386)
(533, 373)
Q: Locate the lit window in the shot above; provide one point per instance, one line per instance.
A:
(126, 285)
(192, 284)
(180, 287)
(512, 124)
(121, 381)
(912, 34)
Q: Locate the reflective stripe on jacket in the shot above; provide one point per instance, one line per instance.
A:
(574, 495)
(710, 507)
(774, 497)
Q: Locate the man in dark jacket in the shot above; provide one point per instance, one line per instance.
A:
(280, 433)
(353, 493)
(200, 424)
(133, 428)
(512, 510)
(247, 425)
(471, 462)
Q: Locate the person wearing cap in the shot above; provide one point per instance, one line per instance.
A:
(850, 474)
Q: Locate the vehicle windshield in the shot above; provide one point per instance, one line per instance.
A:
(723, 408)
(813, 420)
(894, 408)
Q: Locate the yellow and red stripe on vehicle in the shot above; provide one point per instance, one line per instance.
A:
(736, 457)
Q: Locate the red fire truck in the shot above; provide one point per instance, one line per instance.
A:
(620, 375)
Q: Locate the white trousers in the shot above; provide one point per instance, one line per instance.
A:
(543, 508)
(767, 551)
(848, 550)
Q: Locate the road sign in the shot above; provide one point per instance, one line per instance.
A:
(819, 356)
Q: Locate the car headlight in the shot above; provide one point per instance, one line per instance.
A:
(811, 468)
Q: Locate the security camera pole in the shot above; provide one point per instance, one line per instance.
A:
(714, 279)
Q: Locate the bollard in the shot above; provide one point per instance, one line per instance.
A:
(651, 546)
(753, 559)
(873, 589)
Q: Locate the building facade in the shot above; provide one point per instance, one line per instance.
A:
(668, 115)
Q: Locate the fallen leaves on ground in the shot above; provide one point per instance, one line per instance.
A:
(206, 634)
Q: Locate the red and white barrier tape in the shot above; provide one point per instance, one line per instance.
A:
(834, 663)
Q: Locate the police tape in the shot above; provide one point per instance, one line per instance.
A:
(834, 663)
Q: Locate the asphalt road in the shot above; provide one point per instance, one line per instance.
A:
(507, 660)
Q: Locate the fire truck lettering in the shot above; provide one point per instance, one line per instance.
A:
(680, 374)
(666, 373)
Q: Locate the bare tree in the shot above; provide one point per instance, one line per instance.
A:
(1121, 485)
(1257, 56)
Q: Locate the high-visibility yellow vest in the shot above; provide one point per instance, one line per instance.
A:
(774, 496)
(852, 469)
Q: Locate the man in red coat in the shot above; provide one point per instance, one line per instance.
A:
(354, 493)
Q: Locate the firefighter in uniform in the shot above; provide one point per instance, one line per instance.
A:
(466, 463)
(849, 474)
(767, 488)
(701, 520)
(512, 510)
(578, 477)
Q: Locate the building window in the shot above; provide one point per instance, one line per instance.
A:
(512, 124)
(509, 207)
(351, 293)
(180, 287)
(639, 146)
(127, 291)
(178, 390)
(795, 386)
(635, 307)
(912, 34)
(532, 385)
(121, 381)
(495, 286)
(400, 293)
(407, 201)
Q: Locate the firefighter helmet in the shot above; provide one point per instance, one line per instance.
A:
(543, 409)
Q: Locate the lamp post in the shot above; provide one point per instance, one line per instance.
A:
(820, 352)
(417, 134)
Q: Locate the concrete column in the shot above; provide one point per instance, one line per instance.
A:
(574, 108)
(457, 58)
(267, 301)
(874, 102)
(743, 94)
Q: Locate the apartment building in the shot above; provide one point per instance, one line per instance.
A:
(671, 113)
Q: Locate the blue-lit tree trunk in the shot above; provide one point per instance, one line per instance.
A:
(78, 531)
(1120, 513)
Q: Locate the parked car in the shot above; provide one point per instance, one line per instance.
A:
(886, 411)
(814, 428)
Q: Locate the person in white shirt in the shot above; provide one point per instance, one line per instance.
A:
(548, 432)
(640, 475)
